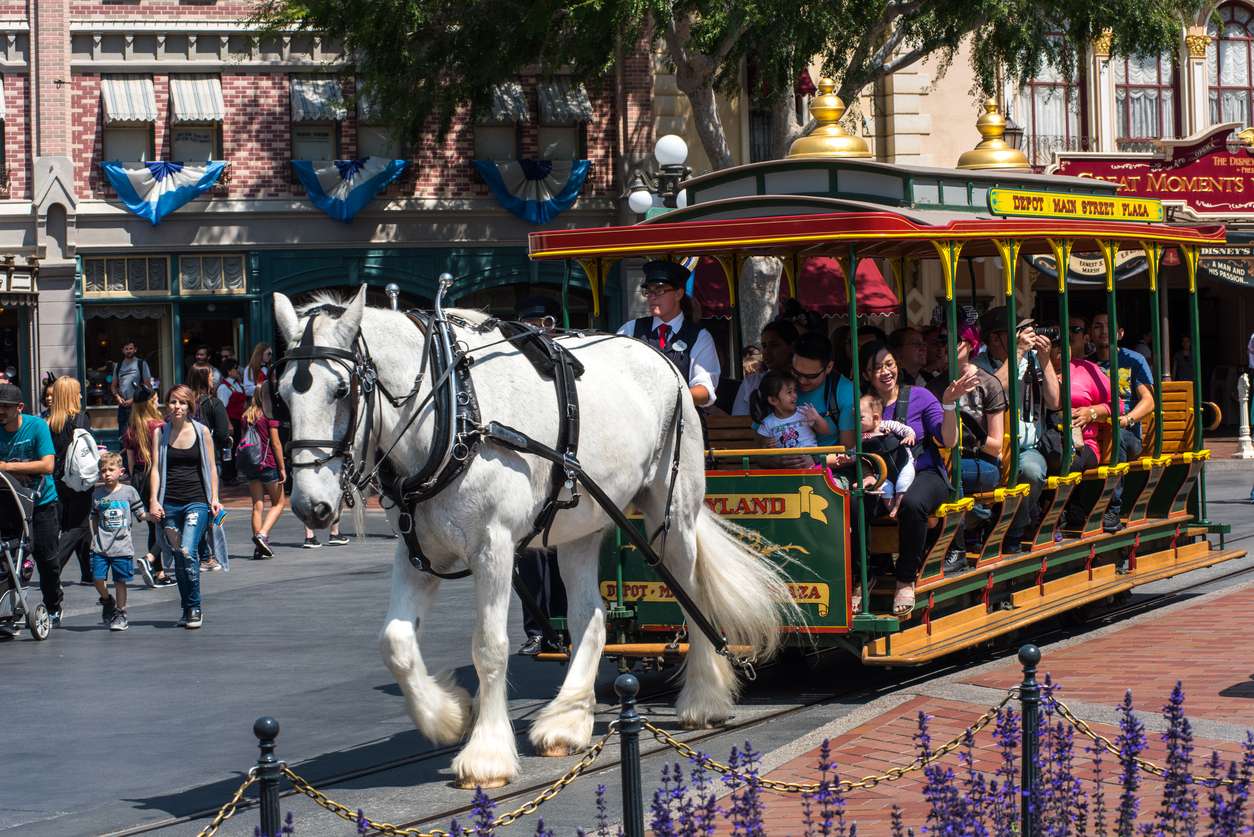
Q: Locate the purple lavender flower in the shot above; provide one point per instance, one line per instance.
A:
(481, 808)
(363, 827)
(1131, 743)
(603, 819)
(660, 820)
(1004, 789)
(1177, 813)
(747, 807)
(706, 810)
(897, 828)
(1096, 751)
(541, 831)
(939, 789)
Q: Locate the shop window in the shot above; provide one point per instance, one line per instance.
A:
(106, 328)
(378, 141)
(122, 276)
(128, 143)
(1230, 57)
(1145, 101)
(496, 142)
(562, 142)
(196, 143)
(315, 142)
(212, 274)
(565, 110)
(1048, 110)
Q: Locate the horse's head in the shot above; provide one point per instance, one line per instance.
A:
(318, 388)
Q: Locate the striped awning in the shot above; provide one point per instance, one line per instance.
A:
(508, 105)
(563, 102)
(196, 98)
(128, 99)
(317, 99)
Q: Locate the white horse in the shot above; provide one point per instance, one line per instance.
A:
(627, 399)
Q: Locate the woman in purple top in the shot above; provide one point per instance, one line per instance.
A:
(934, 423)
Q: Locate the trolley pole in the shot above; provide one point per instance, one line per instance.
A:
(269, 770)
(1029, 777)
(629, 725)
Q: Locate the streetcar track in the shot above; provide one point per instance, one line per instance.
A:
(893, 680)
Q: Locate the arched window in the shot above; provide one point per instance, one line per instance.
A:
(1144, 101)
(1230, 59)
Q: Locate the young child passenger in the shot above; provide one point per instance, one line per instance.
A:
(774, 407)
(893, 440)
(113, 507)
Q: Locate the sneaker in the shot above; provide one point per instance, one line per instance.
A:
(1111, 522)
(955, 562)
(145, 572)
(187, 614)
(532, 646)
(262, 542)
(1252, 495)
(107, 608)
(311, 542)
(337, 539)
(194, 619)
(210, 566)
(54, 618)
(165, 581)
(118, 622)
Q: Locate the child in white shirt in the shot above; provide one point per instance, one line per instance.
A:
(877, 436)
(774, 407)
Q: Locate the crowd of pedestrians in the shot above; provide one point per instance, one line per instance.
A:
(163, 491)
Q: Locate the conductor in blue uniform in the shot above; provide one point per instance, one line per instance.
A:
(671, 328)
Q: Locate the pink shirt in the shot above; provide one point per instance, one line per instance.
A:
(1089, 387)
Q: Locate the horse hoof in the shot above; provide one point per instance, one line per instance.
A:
(557, 751)
(485, 784)
(709, 723)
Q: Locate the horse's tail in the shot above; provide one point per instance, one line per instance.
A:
(745, 594)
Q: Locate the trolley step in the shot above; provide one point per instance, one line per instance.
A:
(944, 635)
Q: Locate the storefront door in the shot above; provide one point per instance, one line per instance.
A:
(218, 326)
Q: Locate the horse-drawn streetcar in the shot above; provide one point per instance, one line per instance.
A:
(823, 524)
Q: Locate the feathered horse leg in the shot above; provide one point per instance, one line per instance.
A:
(440, 709)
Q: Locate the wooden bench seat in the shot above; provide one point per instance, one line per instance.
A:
(731, 433)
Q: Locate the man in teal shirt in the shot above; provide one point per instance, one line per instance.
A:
(26, 458)
(812, 366)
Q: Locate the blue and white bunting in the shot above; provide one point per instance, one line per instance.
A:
(154, 190)
(341, 188)
(535, 190)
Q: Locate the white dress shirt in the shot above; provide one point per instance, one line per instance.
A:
(705, 369)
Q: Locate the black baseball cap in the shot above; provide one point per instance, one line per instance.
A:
(666, 273)
(994, 319)
(10, 395)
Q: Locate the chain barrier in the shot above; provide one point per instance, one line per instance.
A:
(529, 807)
(228, 810)
(890, 775)
(1082, 727)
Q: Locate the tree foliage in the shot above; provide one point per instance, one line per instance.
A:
(425, 58)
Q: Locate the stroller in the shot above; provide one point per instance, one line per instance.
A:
(17, 565)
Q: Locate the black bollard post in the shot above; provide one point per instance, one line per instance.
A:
(629, 725)
(1030, 701)
(268, 773)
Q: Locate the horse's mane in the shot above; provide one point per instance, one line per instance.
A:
(335, 304)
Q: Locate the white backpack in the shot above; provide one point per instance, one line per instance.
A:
(82, 462)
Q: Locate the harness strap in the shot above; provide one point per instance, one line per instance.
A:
(516, 440)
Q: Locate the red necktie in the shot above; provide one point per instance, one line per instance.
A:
(662, 331)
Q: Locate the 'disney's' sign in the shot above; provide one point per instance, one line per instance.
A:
(1200, 172)
(1023, 203)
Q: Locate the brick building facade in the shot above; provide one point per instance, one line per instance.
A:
(203, 275)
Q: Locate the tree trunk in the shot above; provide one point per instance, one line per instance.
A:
(705, 118)
(758, 294)
(784, 125)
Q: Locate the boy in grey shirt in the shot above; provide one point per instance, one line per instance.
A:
(113, 508)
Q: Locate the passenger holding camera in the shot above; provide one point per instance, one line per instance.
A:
(1038, 393)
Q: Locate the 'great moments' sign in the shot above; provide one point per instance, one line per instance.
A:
(1200, 172)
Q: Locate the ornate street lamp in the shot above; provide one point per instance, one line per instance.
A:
(671, 154)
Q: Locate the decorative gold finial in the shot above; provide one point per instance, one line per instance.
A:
(1102, 43)
(829, 138)
(993, 152)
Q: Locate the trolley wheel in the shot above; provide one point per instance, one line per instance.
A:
(39, 622)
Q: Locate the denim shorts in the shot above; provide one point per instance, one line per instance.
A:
(267, 475)
(123, 567)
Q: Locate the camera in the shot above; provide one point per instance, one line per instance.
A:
(1053, 332)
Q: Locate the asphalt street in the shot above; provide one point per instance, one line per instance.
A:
(152, 727)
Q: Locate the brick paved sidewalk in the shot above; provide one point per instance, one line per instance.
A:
(1197, 645)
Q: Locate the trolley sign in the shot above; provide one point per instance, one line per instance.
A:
(1022, 203)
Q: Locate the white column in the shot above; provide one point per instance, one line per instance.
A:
(1196, 107)
(1102, 95)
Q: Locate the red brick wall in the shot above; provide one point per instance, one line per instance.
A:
(87, 140)
(256, 137)
(17, 152)
(163, 9)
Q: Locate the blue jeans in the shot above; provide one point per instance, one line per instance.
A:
(1033, 471)
(978, 475)
(183, 527)
(1130, 448)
